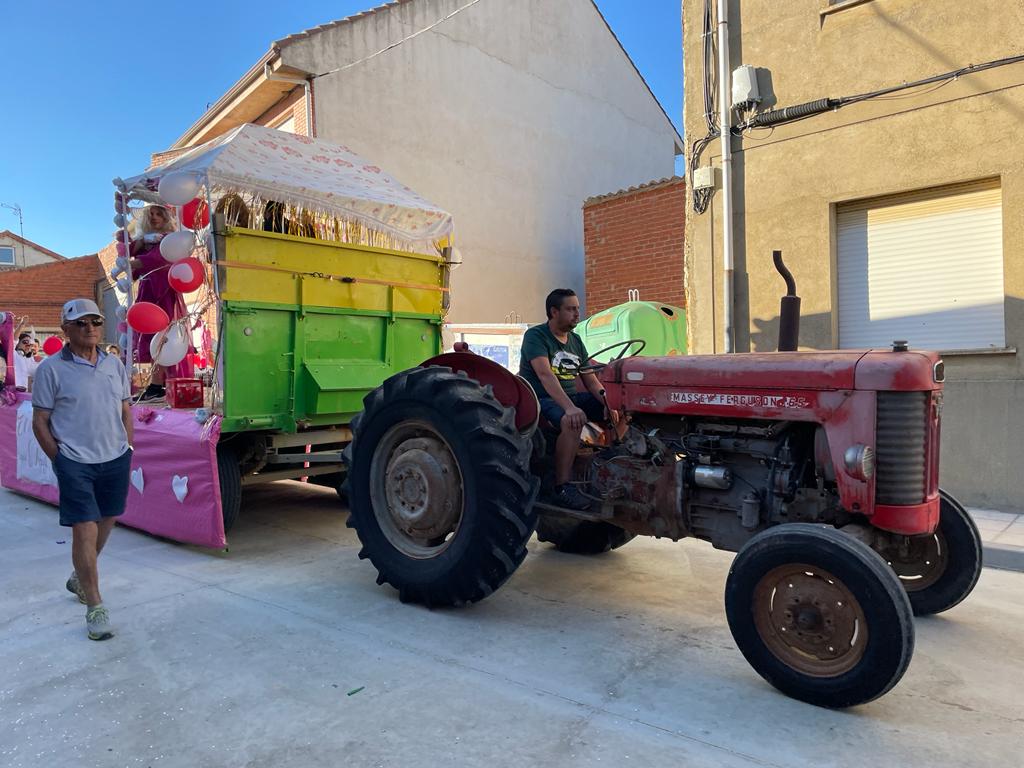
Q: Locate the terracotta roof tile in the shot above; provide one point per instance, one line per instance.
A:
(668, 181)
(39, 291)
(285, 41)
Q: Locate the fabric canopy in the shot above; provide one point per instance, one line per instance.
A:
(304, 172)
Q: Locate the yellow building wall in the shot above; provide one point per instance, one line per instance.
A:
(788, 182)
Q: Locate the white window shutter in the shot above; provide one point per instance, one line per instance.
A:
(925, 266)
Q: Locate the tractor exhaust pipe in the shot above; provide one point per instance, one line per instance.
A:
(789, 310)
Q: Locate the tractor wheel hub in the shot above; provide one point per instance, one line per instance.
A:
(421, 486)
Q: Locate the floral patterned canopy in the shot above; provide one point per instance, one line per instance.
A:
(308, 173)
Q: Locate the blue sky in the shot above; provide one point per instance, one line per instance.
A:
(90, 90)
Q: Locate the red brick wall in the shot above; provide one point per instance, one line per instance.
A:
(292, 105)
(634, 239)
(38, 292)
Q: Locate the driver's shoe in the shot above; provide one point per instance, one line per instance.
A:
(569, 497)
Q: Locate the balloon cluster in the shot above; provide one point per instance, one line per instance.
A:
(185, 272)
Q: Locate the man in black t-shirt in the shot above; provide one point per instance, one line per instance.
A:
(550, 355)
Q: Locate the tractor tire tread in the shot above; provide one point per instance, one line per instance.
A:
(890, 627)
(500, 517)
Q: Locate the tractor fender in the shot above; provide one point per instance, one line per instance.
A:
(510, 390)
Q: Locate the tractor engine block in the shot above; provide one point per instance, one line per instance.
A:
(714, 480)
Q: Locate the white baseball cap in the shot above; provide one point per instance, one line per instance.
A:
(77, 308)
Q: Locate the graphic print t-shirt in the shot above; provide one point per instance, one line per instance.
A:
(538, 341)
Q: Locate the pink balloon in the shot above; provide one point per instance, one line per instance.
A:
(186, 275)
(52, 345)
(122, 327)
(145, 317)
(120, 249)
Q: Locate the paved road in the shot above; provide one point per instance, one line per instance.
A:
(283, 652)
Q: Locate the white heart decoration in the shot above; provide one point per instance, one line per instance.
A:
(137, 479)
(180, 487)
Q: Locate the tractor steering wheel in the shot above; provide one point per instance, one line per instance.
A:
(626, 345)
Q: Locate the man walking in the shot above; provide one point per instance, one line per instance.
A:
(82, 420)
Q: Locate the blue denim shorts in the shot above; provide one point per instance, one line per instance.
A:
(89, 492)
(585, 401)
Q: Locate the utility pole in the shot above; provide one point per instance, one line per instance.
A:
(725, 123)
(21, 228)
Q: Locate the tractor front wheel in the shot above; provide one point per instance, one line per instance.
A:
(440, 490)
(819, 615)
(940, 570)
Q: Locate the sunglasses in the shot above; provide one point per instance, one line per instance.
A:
(86, 323)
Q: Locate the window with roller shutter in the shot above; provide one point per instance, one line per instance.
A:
(924, 266)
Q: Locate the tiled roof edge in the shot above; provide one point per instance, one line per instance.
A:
(650, 185)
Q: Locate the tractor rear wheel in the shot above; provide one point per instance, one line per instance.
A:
(940, 570)
(581, 537)
(439, 487)
(819, 615)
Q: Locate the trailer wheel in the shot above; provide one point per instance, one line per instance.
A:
(940, 570)
(440, 490)
(581, 537)
(819, 615)
(230, 476)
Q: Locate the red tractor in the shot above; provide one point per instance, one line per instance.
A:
(821, 469)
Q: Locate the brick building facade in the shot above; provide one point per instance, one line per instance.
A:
(37, 293)
(633, 239)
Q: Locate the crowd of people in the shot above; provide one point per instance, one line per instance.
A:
(28, 354)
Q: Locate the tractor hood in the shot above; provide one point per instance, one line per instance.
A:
(855, 369)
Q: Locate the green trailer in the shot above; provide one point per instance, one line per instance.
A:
(326, 277)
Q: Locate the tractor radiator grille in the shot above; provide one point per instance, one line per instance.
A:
(901, 448)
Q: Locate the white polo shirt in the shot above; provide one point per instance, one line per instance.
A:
(85, 402)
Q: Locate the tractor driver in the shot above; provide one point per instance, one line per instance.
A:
(550, 354)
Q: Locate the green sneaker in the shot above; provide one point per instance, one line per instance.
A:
(97, 621)
(75, 586)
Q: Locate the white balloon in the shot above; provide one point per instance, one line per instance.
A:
(116, 271)
(177, 245)
(120, 219)
(121, 312)
(122, 285)
(122, 341)
(3, 318)
(178, 188)
(170, 346)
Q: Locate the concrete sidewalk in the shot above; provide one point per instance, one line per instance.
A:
(283, 653)
(1002, 538)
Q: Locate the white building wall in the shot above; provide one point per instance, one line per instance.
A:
(24, 254)
(509, 115)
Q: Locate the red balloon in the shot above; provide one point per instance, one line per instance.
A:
(186, 275)
(52, 345)
(195, 214)
(145, 317)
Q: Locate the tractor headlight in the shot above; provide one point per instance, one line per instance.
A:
(860, 461)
